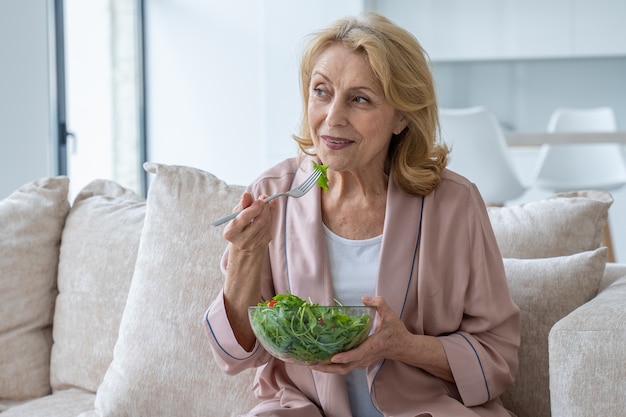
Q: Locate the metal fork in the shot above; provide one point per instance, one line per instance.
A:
(297, 192)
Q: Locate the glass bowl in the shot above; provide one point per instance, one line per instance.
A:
(310, 334)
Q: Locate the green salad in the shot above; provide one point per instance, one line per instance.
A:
(293, 329)
(322, 181)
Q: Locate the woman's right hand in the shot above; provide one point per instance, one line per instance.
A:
(250, 231)
(249, 235)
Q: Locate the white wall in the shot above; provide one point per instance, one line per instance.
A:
(27, 149)
(223, 91)
(222, 81)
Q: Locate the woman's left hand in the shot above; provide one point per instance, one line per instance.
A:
(389, 337)
(392, 340)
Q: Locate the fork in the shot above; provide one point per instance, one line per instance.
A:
(297, 192)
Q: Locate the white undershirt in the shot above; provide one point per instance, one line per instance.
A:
(354, 268)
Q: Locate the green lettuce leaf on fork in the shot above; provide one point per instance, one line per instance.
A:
(323, 179)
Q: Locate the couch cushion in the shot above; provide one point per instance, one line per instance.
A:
(546, 290)
(97, 259)
(31, 220)
(561, 225)
(66, 403)
(163, 365)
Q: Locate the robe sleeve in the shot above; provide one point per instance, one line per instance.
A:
(483, 352)
(228, 353)
(230, 356)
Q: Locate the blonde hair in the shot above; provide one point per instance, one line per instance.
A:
(415, 157)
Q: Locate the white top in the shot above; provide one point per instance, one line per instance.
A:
(354, 268)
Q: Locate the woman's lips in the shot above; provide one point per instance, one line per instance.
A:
(336, 143)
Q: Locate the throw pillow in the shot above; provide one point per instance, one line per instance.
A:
(31, 220)
(98, 251)
(546, 290)
(163, 365)
(560, 225)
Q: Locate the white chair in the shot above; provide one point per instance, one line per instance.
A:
(576, 167)
(479, 152)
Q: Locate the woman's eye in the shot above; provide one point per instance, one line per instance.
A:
(318, 92)
(360, 99)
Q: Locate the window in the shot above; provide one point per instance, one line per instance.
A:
(103, 95)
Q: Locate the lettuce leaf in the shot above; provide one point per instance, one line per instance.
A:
(323, 179)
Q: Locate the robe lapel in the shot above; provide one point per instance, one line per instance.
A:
(306, 255)
(305, 248)
(398, 257)
(306, 252)
(398, 249)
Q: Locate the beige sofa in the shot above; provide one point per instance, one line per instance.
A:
(102, 302)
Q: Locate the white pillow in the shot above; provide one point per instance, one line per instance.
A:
(546, 290)
(561, 225)
(98, 252)
(31, 221)
(163, 365)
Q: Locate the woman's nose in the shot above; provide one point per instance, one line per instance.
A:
(337, 114)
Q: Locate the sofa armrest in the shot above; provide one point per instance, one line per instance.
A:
(587, 352)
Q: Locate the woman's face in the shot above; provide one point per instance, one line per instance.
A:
(351, 122)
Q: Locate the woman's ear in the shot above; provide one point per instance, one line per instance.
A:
(401, 124)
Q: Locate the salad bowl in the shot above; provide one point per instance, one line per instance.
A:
(304, 333)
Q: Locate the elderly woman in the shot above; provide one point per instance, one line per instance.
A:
(396, 230)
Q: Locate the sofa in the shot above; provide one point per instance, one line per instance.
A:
(102, 301)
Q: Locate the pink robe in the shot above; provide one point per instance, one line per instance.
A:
(441, 272)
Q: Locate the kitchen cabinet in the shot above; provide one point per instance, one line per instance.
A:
(466, 30)
(599, 28)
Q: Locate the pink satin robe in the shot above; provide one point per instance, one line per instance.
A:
(441, 272)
